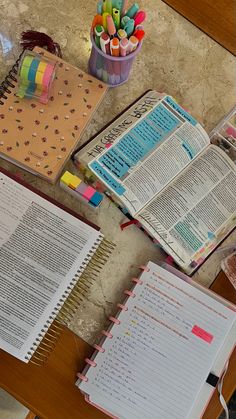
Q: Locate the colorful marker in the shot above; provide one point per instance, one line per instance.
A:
(98, 31)
(121, 34)
(107, 6)
(139, 33)
(124, 20)
(100, 7)
(116, 17)
(132, 10)
(114, 46)
(105, 43)
(124, 43)
(97, 20)
(104, 20)
(139, 17)
(133, 43)
(129, 27)
(110, 26)
(124, 7)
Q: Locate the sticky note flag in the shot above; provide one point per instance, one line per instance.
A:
(75, 182)
(67, 178)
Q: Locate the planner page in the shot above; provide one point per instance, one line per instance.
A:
(162, 350)
(44, 250)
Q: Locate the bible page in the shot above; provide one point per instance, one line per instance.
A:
(142, 161)
(193, 214)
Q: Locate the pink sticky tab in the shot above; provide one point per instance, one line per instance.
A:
(202, 334)
(89, 193)
(108, 145)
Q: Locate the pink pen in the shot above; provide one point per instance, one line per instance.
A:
(139, 17)
(111, 29)
(124, 43)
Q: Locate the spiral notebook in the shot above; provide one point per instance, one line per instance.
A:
(164, 352)
(40, 138)
(49, 258)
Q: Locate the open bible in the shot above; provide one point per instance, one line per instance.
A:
(158, 162)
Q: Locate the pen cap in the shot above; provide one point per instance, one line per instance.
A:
(124, 43)
(129, 27)
(132, 11)
(111, 26)
(111, 69)
(139, 17)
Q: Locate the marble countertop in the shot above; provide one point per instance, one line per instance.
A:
(176, 58)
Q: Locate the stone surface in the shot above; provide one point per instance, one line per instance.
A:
(177, 58)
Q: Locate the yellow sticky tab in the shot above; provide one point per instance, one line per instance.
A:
(75, 182)
(67, 178)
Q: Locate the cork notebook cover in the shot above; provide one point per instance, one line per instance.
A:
(40, 138)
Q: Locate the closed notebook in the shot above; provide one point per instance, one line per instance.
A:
(49, 258)
(164, 352)
(40, 138)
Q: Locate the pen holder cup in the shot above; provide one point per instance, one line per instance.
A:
(113, 71)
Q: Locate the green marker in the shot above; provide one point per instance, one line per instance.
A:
(116, 17)
(98, 32)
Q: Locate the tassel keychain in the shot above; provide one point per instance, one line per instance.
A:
(31, 39)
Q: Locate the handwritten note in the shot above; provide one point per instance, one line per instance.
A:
(161, 352)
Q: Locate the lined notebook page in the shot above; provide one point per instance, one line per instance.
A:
(162, 351)
(42, 249)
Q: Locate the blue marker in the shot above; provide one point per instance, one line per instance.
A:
(129, 27)
(132, 10)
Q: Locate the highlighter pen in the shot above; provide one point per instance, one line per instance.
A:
(139, 34)
(139, 17)
(121, 34)
(107, 6)
(129, 27)
(97, 20)
(124, 7)
(111, 29)
(105, 43)
(116, 17)
(114, 46)
(124, 43)
(100, 7)
(98, 30)
(104, 20)
(124, 20)
(132, 11)
(133, 43)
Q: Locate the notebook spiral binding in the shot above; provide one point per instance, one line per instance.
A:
(106, 333)
(8, 81)
(70, 301)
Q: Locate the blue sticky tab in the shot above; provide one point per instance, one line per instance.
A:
(180, 110)
(96, 199)
(106, 177)
(33, 69)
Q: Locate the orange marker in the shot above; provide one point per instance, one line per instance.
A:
(97, 20)
(115, 47)
(139, 33)
(111, 26)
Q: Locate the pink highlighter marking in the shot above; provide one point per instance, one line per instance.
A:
(202, 334)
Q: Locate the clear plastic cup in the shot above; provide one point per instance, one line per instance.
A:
(111, 70)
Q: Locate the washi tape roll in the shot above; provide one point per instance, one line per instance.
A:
(36, 74)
